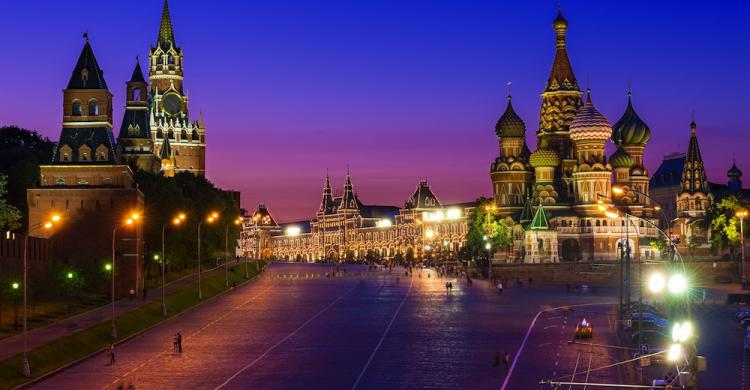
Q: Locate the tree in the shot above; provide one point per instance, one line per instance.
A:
(725, 226)
(21, 153)
(10, 216)
(486, 226)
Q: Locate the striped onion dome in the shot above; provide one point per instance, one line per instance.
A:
(544, 157)
(621, 159)
(510, 124)
(590, 124)
(630, 129)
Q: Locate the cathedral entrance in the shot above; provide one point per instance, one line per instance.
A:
(570, 250)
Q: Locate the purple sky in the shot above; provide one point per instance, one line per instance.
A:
(398, 90)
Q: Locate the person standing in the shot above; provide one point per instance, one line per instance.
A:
(506, 361)
(174, 343)
(179, 342)
(500, 288)
(111, 354)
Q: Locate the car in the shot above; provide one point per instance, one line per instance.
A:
(584, 330)
(745, 323)
(742, 314)
(646, 316)
(646, 325)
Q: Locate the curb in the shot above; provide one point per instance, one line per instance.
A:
(44, 376)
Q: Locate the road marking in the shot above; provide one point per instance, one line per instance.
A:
(544, 344)
(528, 332)
(574, 371)
(588, 371)
(549, 326)
(165, 351)
(387, 329)
(259, 358)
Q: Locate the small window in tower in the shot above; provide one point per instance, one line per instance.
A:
(136, 94)
(60, 182)
(170, 60)
(102, 156)
(159, 134)
(93, 108)
(195, 136)
(66, 157)
(171, 134)
(85, 157)
(76, 108)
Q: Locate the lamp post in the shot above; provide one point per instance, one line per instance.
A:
(55, 218)
(226, 251)
(130, 221)
(175, 221)
(214, 216)
(741, 215)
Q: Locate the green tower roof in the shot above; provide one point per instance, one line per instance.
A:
(540, 219)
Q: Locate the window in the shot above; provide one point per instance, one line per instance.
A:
(85, 157)
(171, 134)
(66, 157)
(137, 94)
(76, 108)
(102, 156)
(183, 135)
(93, 108)
(107, 181)
(159, 134)
(195, 136)
(60, 182)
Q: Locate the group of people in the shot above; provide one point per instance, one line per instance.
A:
(448, 287)
(177, 342)
(506, 361)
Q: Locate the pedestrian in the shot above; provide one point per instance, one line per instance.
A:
(446, 287)
(179, 342)
(506, 361)
(499, 289)
(530, 280)
(174, 343)
(111, 354)
(496, 364)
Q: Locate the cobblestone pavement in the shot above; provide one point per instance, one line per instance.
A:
(296, 328)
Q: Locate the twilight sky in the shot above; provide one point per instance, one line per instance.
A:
(399, 90)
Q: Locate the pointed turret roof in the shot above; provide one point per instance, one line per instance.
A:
(327, 205)
(349, 199)
(561, 77)
(166, 150)
(540, 219)
(526, 213)
(137, 76)
(87, 74)
(693, 175)
(262, 217)
(423, 198)
(166, 33)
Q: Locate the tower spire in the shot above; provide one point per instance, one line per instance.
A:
(561, 76)
(166, 33)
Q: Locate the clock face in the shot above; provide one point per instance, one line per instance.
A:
(172, 103)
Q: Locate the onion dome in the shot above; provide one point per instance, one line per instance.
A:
(630, 129)
(544, 157)
(510, 124)
(621, 159)
(734, 172)
(560, 21)
(589, 123)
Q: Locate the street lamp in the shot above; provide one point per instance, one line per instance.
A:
(131, 220)
(226, 251)
(742, 214)
(213, 217)
(176, 221)
(54, 218)
(656, 283)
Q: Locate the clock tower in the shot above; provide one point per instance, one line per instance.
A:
(169, 117)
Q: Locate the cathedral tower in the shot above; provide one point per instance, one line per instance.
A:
(561, 100)
(695, 195)
(511, 172)
(632, 134)
(135, 146)
(592, 175)
(169, 103)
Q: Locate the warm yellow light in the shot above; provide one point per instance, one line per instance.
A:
(602, 207)
(135, 216)
(487, 246)
(429, 234)
(56, 218)
(210, 219)
(657, 207)
(674, 353)
(611, 214)
(293, 231)
(48, 225)
(176, 221)
(453, 213)
(427, 247)
(182, 216)
(129, 221)
(681, 332)
(384, 223)
(656, 283)
(741, 214)
(599, 201)
(617, 190)
(677, 284)
(215, 214)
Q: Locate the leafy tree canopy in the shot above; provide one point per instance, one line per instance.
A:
(484, 221)
(721, 218)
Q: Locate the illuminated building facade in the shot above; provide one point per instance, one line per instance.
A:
(569, 175)
(344, 228)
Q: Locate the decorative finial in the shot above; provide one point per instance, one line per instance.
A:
(630, 86)
(86, 36)
(588, 95)
(509, 84)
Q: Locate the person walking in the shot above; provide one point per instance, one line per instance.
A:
(447, 288)
(506, 361)
(496, 364)
(500, 288)
(179, 342)
(111, 350)
(174, 343)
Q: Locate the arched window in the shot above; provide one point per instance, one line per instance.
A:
(170, 60)
(93, 108)
(136, 95)
(195, 136)
(60, 182)
(171, 134)
(76, 108)
(159, 134)
(183, 135)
